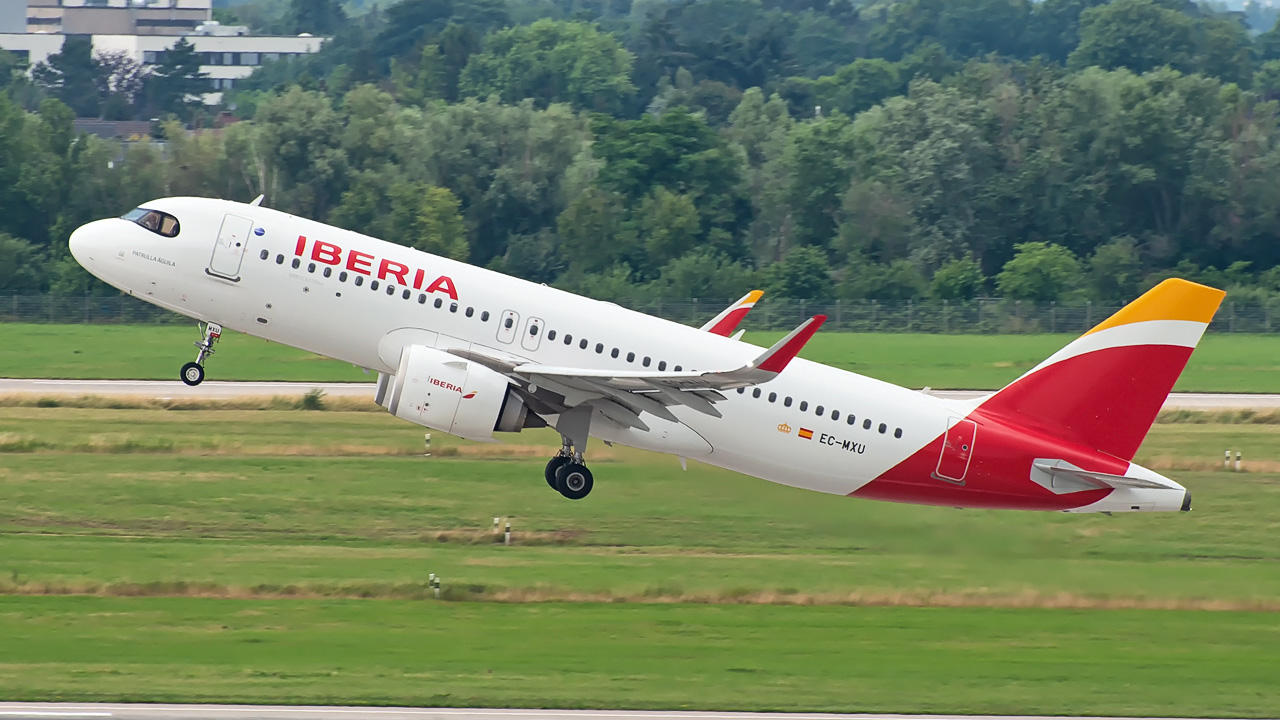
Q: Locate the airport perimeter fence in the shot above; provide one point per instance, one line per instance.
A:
(983, 316)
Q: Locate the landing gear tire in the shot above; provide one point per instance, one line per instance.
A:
(553, 466)
(574, 481)
(192, 374)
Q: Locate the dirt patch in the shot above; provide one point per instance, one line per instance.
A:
(481, 593)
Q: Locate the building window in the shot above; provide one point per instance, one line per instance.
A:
(270, 57)
(150, 57)
(249, 58)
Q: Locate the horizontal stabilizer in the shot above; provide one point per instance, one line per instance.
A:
(1063, 477)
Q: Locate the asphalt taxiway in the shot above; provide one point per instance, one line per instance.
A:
(225, 390)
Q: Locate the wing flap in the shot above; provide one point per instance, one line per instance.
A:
(622, 395)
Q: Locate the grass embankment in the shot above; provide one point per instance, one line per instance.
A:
(1167, 664)
(1223, 363)
(282, 556)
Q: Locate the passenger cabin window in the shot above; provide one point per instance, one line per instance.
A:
(155, 221)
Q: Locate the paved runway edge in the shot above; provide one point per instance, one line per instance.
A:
(285, 712)
(225, 390)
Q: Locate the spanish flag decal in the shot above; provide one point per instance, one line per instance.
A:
(806, 433)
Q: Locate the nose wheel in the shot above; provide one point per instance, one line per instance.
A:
(193, 372)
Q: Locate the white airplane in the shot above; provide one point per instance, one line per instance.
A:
(472, 352)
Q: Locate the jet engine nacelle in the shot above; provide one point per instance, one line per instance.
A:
(447, 393)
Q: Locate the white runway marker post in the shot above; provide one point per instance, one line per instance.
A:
(1226, 459)
(506, 538)
(1237, 461)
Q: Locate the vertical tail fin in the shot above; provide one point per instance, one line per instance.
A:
(1104, 389)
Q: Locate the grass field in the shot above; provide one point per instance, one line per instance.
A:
(1223, 363)
(282, 556)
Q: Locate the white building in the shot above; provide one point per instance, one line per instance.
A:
(229, 52)
(124, 17)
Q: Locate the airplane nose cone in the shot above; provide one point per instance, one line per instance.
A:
(81, 245)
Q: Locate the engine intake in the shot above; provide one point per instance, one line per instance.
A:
(447, 393)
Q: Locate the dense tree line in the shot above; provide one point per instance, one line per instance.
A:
(1060, 150)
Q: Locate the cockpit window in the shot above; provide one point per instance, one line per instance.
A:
(155, 221)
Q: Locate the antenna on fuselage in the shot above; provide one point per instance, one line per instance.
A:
(258, 200)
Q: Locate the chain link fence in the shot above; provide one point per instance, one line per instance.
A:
(984, 316)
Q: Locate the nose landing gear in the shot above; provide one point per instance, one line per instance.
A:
(193, 372)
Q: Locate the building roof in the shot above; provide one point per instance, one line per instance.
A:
(114, 129)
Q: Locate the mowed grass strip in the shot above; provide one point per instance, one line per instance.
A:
(1223, 363)
(1144, 663)
(326, 504)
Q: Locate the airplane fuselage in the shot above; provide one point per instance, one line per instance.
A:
(362, 300)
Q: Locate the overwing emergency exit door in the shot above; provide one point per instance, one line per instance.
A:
(233, 237)
(957, 450)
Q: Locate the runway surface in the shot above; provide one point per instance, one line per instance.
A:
(255, 712)
(223, 390)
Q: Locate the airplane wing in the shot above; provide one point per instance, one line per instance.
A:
(622, 395)
(725, 323)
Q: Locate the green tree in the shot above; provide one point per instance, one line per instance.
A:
(803, 274)
(668, 226)
(1039, 271)
(19, 267)
(1267, 45)
(552, 62)
(591, 232)
(1115, 271)
(820, 159)
(318, 17)
(72, 75)
(958, 280)
(426, 217)
(702, 274)
(177, 83)
(13, 71)
(858, 86)
(897, 281)
(1054, 27)
(1140, 35)
(677, 151)
(299, 137)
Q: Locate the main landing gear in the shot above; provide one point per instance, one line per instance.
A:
(193, 372)
(567, 473)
